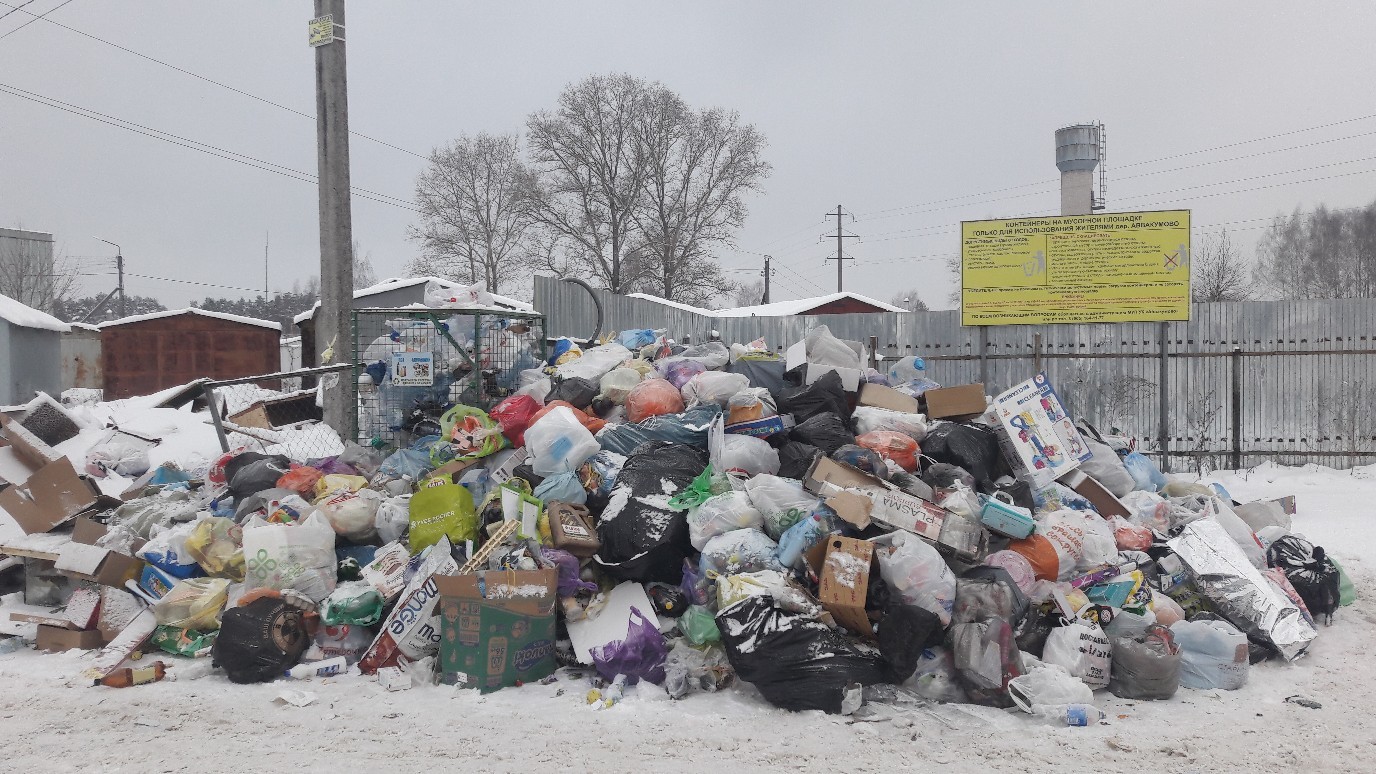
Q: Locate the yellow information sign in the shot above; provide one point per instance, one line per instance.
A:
(321, 30)
(1110, 267)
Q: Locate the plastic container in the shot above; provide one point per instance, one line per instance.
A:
(327, 668)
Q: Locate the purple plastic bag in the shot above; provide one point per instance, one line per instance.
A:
(678, 372)
(694, 586)
(332, 466)
(639, 657)
(567, 564)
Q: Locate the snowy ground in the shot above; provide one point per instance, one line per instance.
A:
(49, 721)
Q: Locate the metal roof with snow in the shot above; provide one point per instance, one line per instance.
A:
(397, 283)
(25, 316)
(778, 308)
(193, 310)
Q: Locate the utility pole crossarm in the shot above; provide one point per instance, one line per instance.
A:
(841, 256)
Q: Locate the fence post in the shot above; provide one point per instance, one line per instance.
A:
(1036, 353)
(874, 352)
(1163, 428)
(213, 403)
(1237, 407)
(984, 354)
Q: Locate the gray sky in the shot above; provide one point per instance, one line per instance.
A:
(889, 109)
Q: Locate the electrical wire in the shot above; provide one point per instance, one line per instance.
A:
(192, 282)
(14, 8)
(43, 16)
(155, 60)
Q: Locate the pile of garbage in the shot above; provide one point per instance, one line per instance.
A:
(688, 516)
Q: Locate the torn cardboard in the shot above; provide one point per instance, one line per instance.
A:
(1103, 500)
(44, 489)
(951, 402)
(92, 563)
(52, 639)
(879, 396)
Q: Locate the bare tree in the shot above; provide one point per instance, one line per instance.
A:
(31, 274)
(953, 269)
(1319, 254)
(909, 299)
(1218, 271)
(476, 212)
(1201, 413)
(749, 294)
(590, 179)
(364, 274)
(698, 167)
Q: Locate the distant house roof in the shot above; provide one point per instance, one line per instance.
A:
(397, 283)
(25, 316)
(779, 308)
(199, 312)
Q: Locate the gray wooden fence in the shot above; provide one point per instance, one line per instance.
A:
(1239, 384)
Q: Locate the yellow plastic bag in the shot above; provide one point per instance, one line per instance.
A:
(195, 603)
(217, 546)
(337, 482)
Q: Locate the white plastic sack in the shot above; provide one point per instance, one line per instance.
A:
(870, 418)
(824, 348)
(595, 362)
(617, 383)
(720, 514)
(782, 501)
(167, 549)
(290, 556)
(1082, 540)
(1083, 649)
(1213, 654)
(713, 387)
(1237, 529)
(353, 514)
(1047, 685)
(114, 457)
(393, 518)
(1107, 468)
(739, 551)
(712, 354)
(558, 443)
(919, 575)
(461, 296)
(748, 456)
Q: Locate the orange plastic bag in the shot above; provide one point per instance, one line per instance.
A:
(1129, 536)
(653, 397)
(592, 423)
(300, 479)
(1040, 554)
(891, 445)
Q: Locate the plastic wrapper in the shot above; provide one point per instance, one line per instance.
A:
(892, 445)
(860, 458)
(182, 642)
(750, 404)
(356, 603)
(1213, 654)
(827, 395)
(442, 511)
(194, 603)
(827, 432)
(639, 656)
(653, 397)
(216, 544)
(678, 371)
(167, 551)
(1224, 577)
(689, 428)
(868, 419)
(747, 456)
(739, 551)
(643, 539)
(514, 415)
(713, 387)
(1146, 667)
(343, 640)
(914, 571)
(617, 383)
(594, 362)
(559, 443)
(720, 514)
(353, 514)
(794, 660)
(782, 502)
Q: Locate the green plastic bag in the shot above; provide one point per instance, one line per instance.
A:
(695, 493)
(472, 432)
(444, 509)
(1347, 593)
(699, 626)
(355, 603)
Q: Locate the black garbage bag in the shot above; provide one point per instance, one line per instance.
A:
(903, 633)
(826, 395)
(575, 390)
(973, 447)
(642, 538)
(827, 432)
(944, 475)
(1020, 492)
(256, 475)
(1310, 571)
(259, 641)
(795, 458)
(690, 427)
(795, 661)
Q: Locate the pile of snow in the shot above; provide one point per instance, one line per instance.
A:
(25, 316)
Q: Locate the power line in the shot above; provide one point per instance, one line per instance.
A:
(1249, 142)
(185, 142)
(13, 9)
(191, 282)
(1247, 190)
(1247, 156)
(202, 77)
(43, 16)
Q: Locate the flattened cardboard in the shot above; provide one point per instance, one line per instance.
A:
(498, 627)
(1103, 500)
(453, 469)
(55, 618)
(949, 402)
(879, 396)
(52, 493)
(52, 639)
(118, 608)
(106, 567)
(845, 582)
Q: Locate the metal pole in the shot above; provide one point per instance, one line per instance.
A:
(336, 229)
(1237, 407)
(1036, 353)
(874, 352)
(766, 280)
(213, 403)
(839, 261)
(1163, 426)
(123, 301)
(984, 354)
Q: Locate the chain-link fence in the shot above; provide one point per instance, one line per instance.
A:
(415, 364)
(276, 413)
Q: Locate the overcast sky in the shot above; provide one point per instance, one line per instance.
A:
(892, 110)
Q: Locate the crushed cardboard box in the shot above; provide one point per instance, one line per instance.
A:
(966, 400)
(44, 489)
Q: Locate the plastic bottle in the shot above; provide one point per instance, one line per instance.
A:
(1072, 714)
(327, 668)
(124, 678)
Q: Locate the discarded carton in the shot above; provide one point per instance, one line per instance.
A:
(393, 679)
(879, 396)
(53, 639)
(1038, 438)
(796, 359)
(950, 402)
(44, 489)
(106, 567)
(762, 428)
(118, 608)
(845, 582)
(83, 608)
(454, 469)
(1103, 500)
(498, 628)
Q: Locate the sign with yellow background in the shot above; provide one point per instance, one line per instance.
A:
(1110, 267)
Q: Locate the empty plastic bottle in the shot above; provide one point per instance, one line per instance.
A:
(327, 668)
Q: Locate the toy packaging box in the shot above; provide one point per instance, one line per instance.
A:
(1038, 438)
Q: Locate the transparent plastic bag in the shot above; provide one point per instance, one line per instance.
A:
(653, 397)
(617, 383)
(868, 419)
(826, 349)
(783, 502)
(216, 544)
(1213, 654)
(1048, 685)
(1146, 667)
(711, 354)
(917, 573)
(747, 455)
(720, 514)
(892, 445)
(677, 371)
(713, 387)
(739, 551)
(559, 443)
(750, 404)
(353, 514)
(194, 603)
(446, 295)
(393, 518)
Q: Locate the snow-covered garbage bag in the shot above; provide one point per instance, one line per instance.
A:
(739, 551)
(713, 387)
(793, 659)
(111, 456)
(643, 539)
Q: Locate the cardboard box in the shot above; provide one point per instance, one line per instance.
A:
(879, 396)
(762, 428)
(453, 470)
(106, 567)
(963, 401)
(44, 489)
(1039, 440)
(845, 582)
(1103, 500)
(498, 628)
(393, 679)
(52, 639)
(118, 608)
(796, 359)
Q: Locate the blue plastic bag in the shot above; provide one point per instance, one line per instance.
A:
(564, 487)
(639, 657)
(690, 428)
(802, 536)
(1145, 475)
(635, 338)
(406, 462)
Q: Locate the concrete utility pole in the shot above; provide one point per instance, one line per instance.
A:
(840, 254)
(119, 267)
(332, 323)
(767, 259)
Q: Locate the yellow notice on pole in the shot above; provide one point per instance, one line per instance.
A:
(1109, 267)
(321, 30)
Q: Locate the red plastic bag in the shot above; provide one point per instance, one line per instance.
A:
(653, 397)
(515, 414)
(300, 479)
(592, 423)
(639, 657)
(891, 445)
(216, 474)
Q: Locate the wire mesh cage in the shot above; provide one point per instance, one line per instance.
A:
(276, 413)
(413, 365)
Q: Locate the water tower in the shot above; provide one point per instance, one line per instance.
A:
(1079, 150)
